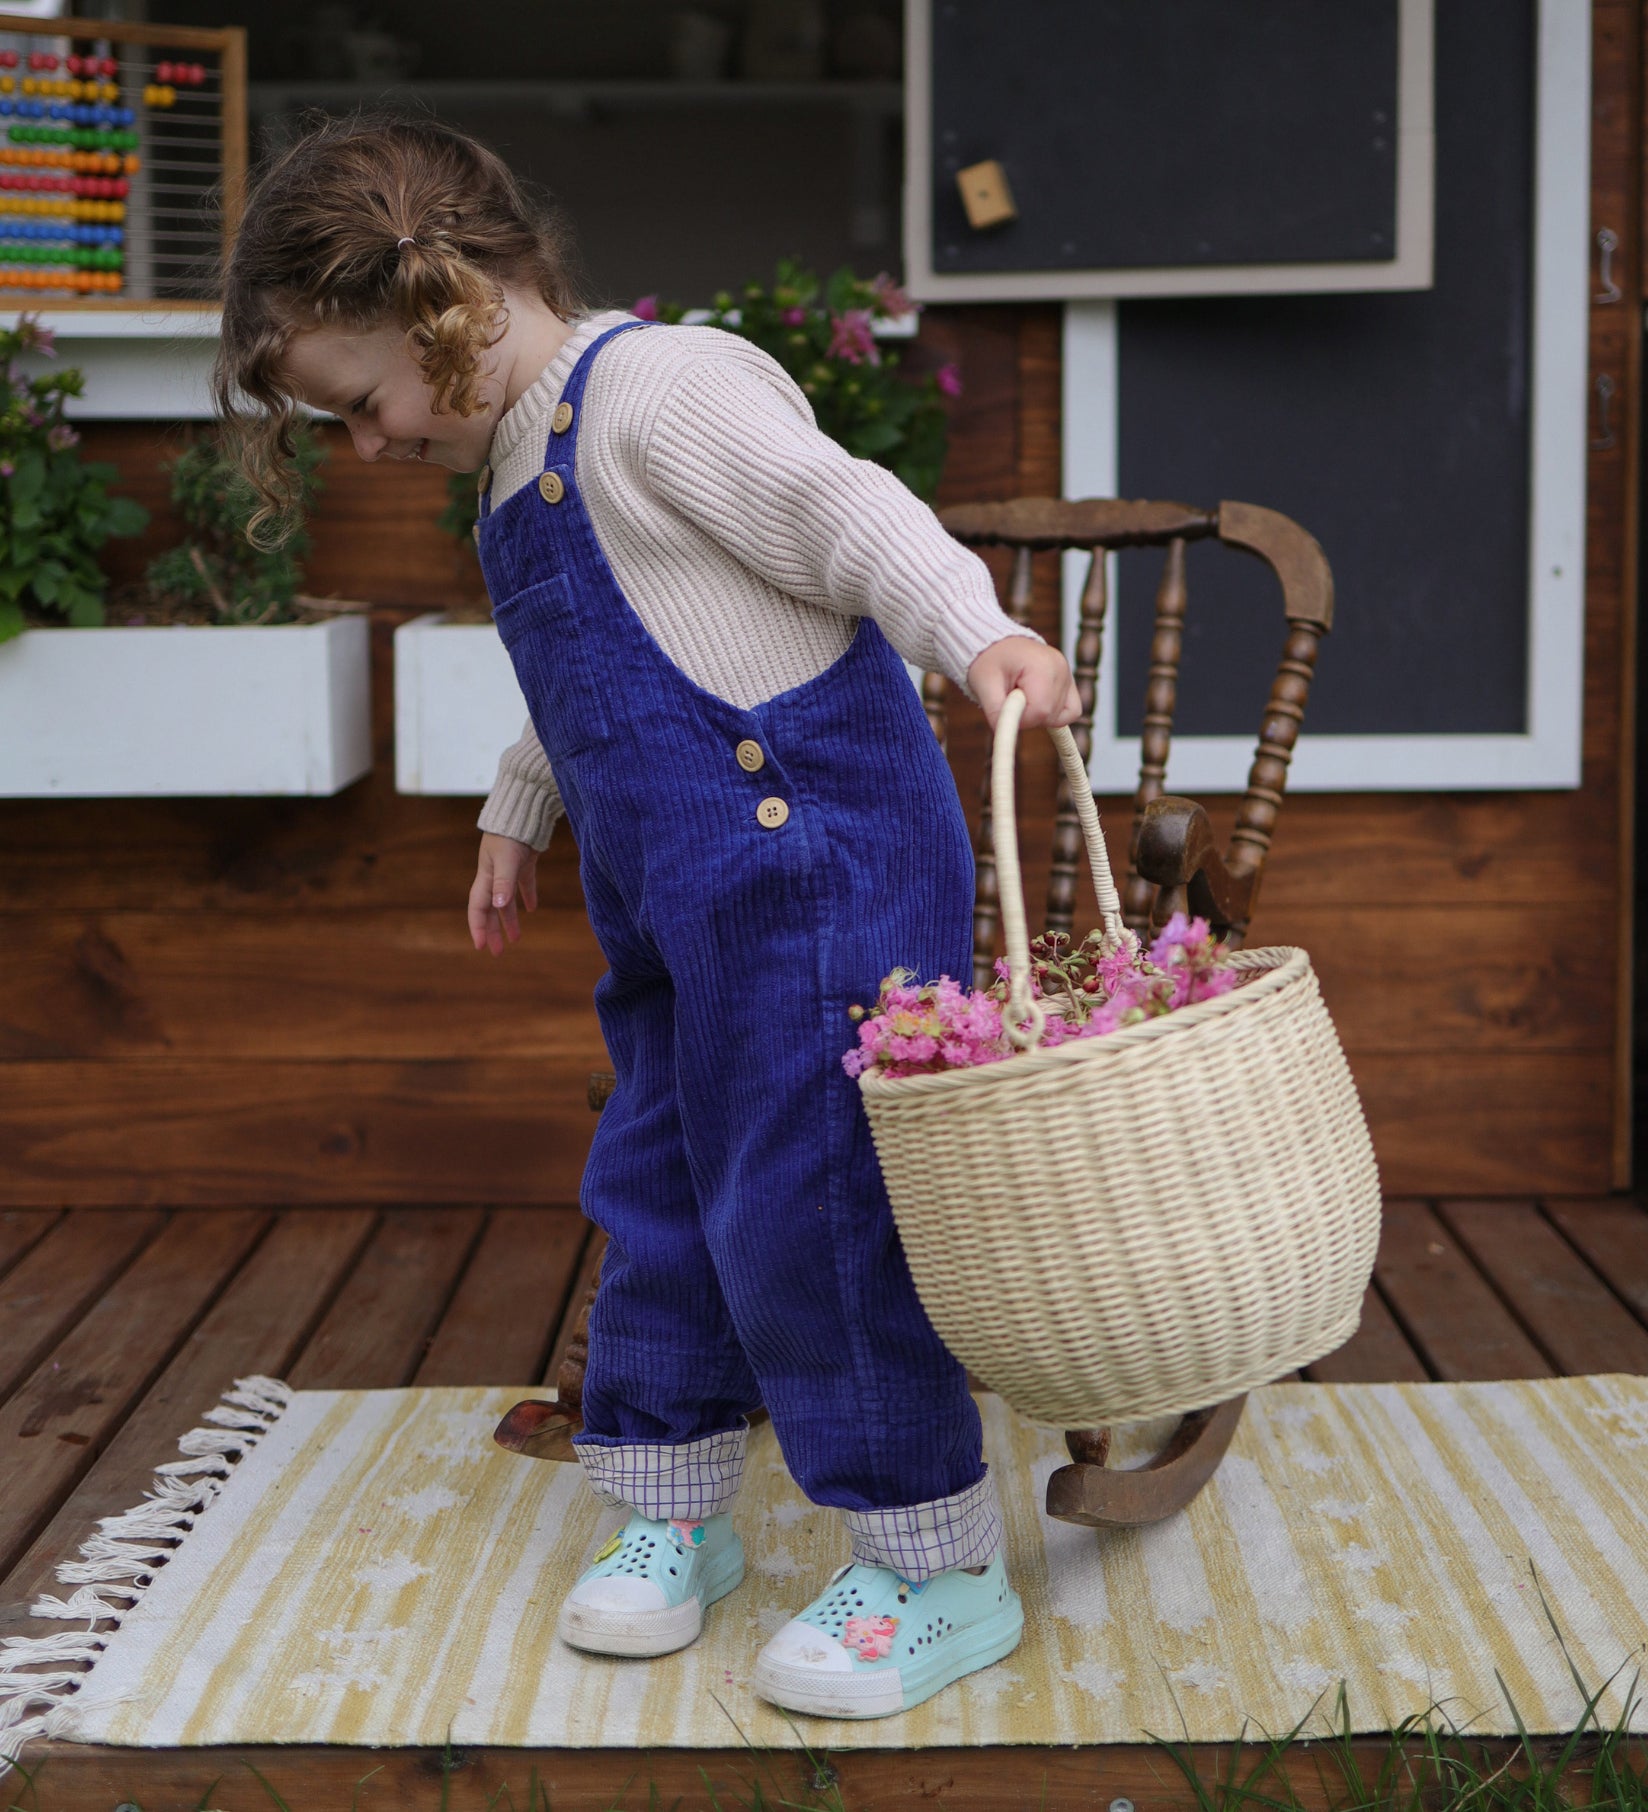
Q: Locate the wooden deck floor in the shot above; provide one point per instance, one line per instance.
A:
(117, 1328)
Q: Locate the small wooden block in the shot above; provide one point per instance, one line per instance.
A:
(985, 194)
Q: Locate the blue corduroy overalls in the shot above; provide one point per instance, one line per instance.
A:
(749, 874)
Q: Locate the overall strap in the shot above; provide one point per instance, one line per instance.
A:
(562, 438)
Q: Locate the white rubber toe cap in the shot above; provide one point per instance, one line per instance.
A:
(618, 1592)
(800, 1644)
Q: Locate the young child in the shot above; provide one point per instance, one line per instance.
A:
(705, 600)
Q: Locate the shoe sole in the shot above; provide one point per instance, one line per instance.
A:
(638, 1634)
(889, 1690)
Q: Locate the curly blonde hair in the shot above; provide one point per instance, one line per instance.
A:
(361, 222)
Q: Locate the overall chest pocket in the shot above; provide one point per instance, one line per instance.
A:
(550, 647)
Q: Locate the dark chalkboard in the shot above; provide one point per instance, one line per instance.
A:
(1141, 133)
(1394, 427)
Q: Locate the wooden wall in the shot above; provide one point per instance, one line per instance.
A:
(276, 1000)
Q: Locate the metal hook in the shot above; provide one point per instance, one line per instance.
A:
(1604, 437)
(1607, 244)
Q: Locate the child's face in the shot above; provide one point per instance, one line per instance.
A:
(370, 381)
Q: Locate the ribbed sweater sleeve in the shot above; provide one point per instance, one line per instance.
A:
(740, 458)
(525, 802)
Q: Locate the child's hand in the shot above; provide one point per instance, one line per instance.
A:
(505, 868)
(1050, 695)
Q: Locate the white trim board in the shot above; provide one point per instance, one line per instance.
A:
(1411, 268)
(151, 363)
(1549, 754)
(146, 362)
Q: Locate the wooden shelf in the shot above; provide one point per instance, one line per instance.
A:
(574, 98)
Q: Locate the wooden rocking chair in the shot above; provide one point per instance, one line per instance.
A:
(1174, 865)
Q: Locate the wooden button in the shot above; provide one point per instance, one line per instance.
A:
(476, 532)
(561, 420)
(550, 487)
(750, 758)
(483, 480)
(772, 813)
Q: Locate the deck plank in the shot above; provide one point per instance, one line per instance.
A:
(380, 1327)
(89, 1778)
(56, 1425)
(1567, 1308)
(1445, 1306)
(48, 1291)
(21, 1229)
(260, 1323)
(1377, 1353)
(1613, 1235)
(502, 1323)
(587, 1268)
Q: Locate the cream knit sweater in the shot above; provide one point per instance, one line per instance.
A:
(747, 542)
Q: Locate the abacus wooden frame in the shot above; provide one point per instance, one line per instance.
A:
(228, 44)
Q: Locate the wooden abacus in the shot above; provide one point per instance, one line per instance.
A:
(122, 160)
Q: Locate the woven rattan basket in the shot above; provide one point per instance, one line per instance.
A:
(1146, 1222)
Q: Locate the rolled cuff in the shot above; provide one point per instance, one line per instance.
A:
(521, 809)
(964, 632)
(919, 1540)
(681, 1483)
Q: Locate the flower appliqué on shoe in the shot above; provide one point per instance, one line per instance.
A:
(870, 1638)
(687, 1536)
(608, 1548)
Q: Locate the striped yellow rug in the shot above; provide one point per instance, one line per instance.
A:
(371, 1570)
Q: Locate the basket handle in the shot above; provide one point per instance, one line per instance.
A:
(1025, 1017)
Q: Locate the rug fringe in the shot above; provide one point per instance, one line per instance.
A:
(117, 1564)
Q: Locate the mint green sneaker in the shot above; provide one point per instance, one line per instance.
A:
(874, 1643)
(646, 1591)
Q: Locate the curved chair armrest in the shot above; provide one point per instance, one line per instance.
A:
(1177, 851)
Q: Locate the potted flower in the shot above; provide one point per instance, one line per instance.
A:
(215, 675)
(55, 507)
(455, 691)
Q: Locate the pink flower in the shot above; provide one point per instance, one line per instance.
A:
(852, 339)
(916, 1028)
(948, 379)
(870, 1638)
(1120, 963)
(794, 317)
(645, 308)
(890, 299)
(6, 468)
(1214, 981)
(1178, 933)
(35, 337)
(60, 437)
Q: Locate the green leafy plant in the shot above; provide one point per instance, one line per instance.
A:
(55, 508)
(824, 335)
(216, 574)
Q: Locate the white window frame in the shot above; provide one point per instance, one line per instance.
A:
(1548, 754)
(1410, 268)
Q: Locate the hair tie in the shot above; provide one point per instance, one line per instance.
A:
(408, 240)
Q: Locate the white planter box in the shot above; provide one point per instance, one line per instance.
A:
(192, 710)
(457, 706)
